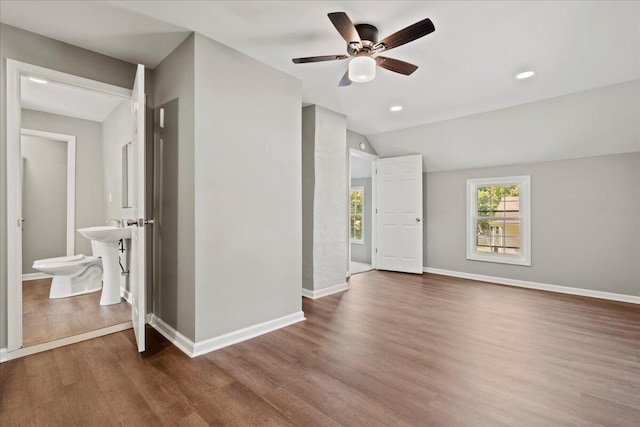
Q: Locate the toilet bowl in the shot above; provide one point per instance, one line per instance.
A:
(72, 275)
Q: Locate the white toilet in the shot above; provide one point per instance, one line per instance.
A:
(72, 275)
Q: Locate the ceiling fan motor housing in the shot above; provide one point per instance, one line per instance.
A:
(369, 36)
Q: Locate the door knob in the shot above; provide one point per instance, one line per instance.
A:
(418, 219)
(138, 222)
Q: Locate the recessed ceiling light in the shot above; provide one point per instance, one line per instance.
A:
(525, 75)
(396, 108)
(38, 80)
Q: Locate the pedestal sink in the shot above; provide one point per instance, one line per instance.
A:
(104, 241)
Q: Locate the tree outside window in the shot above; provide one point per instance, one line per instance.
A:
(499, 220)
(356, 214)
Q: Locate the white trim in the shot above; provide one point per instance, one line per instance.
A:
(71, 180)
(70, 79)
(39, 348)
(35, 276)
(374, 217)
(244, 334)
(535, 285)
(174, 337)
(340, 287)
(194, 349)
(14, 208)
(125, 294)
(14, 69)
(524, 183)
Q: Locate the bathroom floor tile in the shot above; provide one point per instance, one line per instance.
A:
(45, 319)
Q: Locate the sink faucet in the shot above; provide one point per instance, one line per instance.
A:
(117, 221)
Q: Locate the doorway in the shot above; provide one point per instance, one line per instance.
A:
(361, 212)
(65, 171)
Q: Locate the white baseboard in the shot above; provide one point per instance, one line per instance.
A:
(39, 348)
(194, 349)
(174, 337)
(126, 295)
(35, 276)
(340, 287)
(535, 285)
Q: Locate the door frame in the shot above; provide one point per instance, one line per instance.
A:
(71, 180)
(15, 70)
(373, 158)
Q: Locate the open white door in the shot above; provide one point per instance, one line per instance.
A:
(399, 220)
(138, 246)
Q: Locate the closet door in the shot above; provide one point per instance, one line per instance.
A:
(399, 217)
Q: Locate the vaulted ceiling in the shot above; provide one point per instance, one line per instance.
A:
(467, 65)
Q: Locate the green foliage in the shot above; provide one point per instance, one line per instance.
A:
(356, 214)
(488, 199)
(356, 202)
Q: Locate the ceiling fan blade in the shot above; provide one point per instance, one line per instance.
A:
(396, 65)
(318, 58)
(345, 81)
(345, 27)
(406, 35)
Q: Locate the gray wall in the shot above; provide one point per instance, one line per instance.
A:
(89, 172)
(248, 191)
(116, 131)
(362, 252)
(35, 49)
(353, 141)
(330, 196)
(44, 199)
(308, 192)
(174, 290)
(590, 123)
(584, 215)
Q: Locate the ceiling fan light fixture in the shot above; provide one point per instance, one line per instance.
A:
(362, 69)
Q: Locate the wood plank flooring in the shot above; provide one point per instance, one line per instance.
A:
(394, 350)
(45, 319)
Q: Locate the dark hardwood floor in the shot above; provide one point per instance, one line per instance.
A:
(45, 319)
(396, 349)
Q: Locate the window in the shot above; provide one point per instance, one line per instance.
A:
(356, 215)
(498, 220)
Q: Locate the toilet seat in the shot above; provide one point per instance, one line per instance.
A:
(72, 275)
(63, 261)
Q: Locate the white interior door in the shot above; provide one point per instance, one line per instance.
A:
(138, 246)
(399, 217)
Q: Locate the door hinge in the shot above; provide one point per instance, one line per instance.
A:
(376, 250)
(376, 210)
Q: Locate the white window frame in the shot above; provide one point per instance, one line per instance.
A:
(524, 258)
(357, 241)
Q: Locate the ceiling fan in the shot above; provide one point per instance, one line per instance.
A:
(363, 47)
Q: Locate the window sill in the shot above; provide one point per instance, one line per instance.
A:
(357, 242)
(500, 259)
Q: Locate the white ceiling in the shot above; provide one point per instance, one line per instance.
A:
(67, 100)
(97, 26)
(466, 66)
(360, 168)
